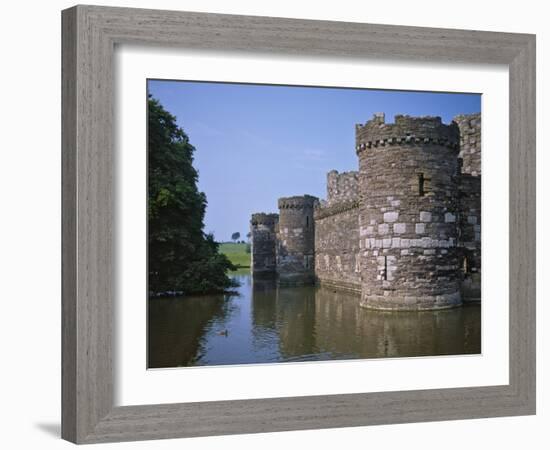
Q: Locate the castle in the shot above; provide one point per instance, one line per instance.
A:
(403, 231)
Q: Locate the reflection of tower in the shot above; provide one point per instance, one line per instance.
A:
(408, 213)
(296, 322)
(264, 304)
(263, 236)
(296, 240)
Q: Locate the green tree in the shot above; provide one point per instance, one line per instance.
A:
(235, 236)
(181, 256)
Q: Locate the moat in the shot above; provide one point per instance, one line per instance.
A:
(264, 323)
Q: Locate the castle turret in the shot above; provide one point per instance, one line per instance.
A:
(296, 240)
(408, 213)
(263, 236)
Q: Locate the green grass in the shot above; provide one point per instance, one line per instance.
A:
(236, 253)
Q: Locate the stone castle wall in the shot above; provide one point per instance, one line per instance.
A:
(470, 143)
(296, 240)
(404, 230)
(469, 240)
(342, 187)
(470, 204)
(263, 238)
(408, 211)
(337, 257)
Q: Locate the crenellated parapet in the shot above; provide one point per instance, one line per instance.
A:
(267, 219)
(298, 202)
(406, 130)
(338, 208)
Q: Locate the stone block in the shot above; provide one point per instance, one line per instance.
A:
(420, 228)
(425, 216)
(399, 228)
(426, 242)
(383, 228)
(391, 216)
(450, 217)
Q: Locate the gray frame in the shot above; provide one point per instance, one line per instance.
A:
(90, 34)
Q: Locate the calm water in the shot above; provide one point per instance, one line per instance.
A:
(264, 323)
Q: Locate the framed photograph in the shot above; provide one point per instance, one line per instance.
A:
(278, 224)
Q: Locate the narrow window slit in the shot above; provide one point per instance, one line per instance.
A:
(421, 180)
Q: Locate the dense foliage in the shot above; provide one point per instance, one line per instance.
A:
(181, 256)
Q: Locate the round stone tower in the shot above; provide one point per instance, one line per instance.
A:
(263, 237)
(408, 213)
(296, 240)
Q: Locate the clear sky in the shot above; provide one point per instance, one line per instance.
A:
(256, 143)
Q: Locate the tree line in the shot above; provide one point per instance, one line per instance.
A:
(181, 256)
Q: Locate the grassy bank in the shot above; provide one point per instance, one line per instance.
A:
(236, 254)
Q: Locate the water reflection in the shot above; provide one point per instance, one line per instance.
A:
(266, 323)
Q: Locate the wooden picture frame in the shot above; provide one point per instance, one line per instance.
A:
(90, 34)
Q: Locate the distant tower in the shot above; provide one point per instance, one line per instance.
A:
(263, 231)
(296, 240)
(408, 213)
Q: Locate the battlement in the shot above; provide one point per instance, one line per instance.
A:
(337, 208)
(406, 130)
(298, 202)
(267, 219)
(342, 187)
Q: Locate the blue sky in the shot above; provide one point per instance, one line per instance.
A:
(256, 143)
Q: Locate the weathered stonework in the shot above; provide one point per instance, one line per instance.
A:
(415, 162)
(470, 204)
(404, 231)
(263, 238)
(470, 143)
(469, 240)
(342, 187)
(296, 240)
